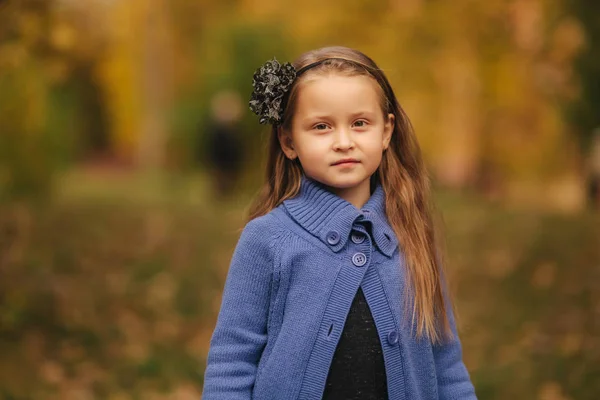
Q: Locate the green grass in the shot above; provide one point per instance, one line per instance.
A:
(111, 291)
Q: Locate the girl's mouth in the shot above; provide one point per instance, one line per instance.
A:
(346, 161)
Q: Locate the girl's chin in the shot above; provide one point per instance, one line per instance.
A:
(344, 185)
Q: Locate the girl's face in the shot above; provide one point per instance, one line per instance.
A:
(339, 133)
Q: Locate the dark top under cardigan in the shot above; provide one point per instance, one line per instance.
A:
(357, 370)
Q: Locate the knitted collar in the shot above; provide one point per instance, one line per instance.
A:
(321, 212)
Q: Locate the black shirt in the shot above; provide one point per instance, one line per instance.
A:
(357, 370)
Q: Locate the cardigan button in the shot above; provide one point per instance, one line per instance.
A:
(358, 238)
(333, 237)
(359, 259)
(392, 337)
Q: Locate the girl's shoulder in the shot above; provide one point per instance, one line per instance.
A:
(273, 220)
(265, 229)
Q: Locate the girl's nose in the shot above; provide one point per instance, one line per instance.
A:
(343, 140)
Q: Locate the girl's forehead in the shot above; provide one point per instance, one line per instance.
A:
(334, 77)
(336, 90)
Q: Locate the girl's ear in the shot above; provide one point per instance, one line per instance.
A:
(285, 141)
(388, 129)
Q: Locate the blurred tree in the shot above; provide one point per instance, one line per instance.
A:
(156, 85)
(584, 112)
(76, 52)
(136, 78)
(25, 166)
(50, 101)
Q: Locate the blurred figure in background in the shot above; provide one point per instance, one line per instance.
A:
(223, 140)
(594, 171)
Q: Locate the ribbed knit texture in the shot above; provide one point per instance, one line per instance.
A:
(293, 277)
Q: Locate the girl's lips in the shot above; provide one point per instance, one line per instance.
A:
(348, 161)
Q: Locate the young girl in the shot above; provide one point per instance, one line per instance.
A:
(335, 289)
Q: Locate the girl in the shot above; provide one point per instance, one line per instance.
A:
(335, 290)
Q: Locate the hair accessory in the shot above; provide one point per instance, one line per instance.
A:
(271, 83)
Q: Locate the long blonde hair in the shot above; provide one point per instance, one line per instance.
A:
(402, 175)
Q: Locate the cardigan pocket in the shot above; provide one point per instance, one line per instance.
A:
(277, 302)
(279, 288)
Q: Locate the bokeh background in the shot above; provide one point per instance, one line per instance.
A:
(118, 215)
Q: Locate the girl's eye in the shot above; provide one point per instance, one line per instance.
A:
(320, 127)
(360, 123)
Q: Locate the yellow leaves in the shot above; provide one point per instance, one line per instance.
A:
(407, 9)
(508, 354)
(185, 392)
(501, 263)
(261, 9)
(571, 343)
(34, 343)
(135, 78)
(528, 24)
(551, 391)
(52, 372)
(182, 392)
(12, 56)
(76, 392)
(544, 275)
(198, 345)
(23, 92)
(57, 70)
(567, 40)
(104, 317)
(119, 395)
(29, 25)
(70, 351)
(135, 331)
(116, 282)
(118, 74)
(156, 232)
(167, 329)
(161, 291)
(62, 36)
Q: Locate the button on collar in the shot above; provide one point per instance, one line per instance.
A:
(333, 237)
(358, 238)
(319, 212)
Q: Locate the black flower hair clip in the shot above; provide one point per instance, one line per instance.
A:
(271, 83)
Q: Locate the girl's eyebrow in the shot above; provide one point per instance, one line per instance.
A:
(311, 117)
(316, 117)
(361, 113)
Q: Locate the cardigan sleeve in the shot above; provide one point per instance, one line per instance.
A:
(453, 378)
(241, 330)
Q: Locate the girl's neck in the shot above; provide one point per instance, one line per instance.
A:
(357, 195)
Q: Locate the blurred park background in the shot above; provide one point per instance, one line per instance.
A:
(118, 216)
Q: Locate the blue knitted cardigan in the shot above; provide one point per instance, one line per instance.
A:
(291, 282)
